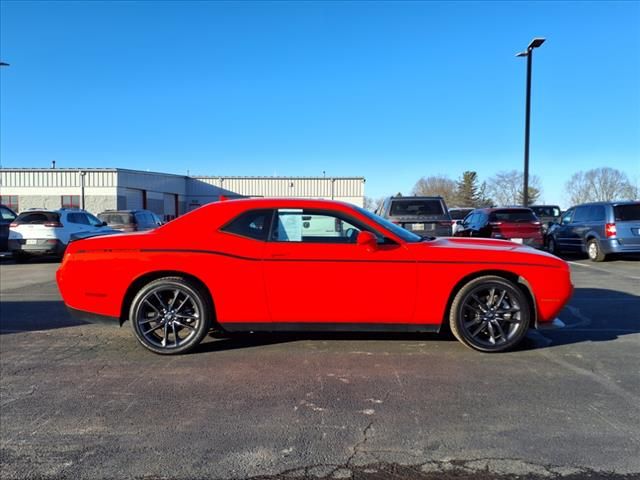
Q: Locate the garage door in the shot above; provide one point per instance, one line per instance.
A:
(170, 205)
(135, 199)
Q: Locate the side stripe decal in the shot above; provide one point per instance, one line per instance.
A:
(328, 260)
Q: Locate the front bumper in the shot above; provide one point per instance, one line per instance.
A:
(555, 324)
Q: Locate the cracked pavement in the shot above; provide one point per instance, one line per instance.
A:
(85, 401)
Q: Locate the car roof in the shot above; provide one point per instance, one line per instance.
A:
(275, 202)
(136, 210)
(612, 202)
(429, 197)
(493, 209)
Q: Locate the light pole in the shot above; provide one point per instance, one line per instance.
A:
(535, 43)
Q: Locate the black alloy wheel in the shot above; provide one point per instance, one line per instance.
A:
(170, 315)
(490, 314)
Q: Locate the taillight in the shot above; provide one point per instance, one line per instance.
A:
(13, 225)
(610, 230)
(53, 224)
(536, 223)
(446, 224)
(495, 224)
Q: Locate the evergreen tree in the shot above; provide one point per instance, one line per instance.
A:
(467, 190)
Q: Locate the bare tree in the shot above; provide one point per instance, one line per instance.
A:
(505, 188)
(599, 185)
(436, 185)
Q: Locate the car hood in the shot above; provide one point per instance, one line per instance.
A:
(484, 250)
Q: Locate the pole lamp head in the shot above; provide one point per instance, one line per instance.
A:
(535, 43)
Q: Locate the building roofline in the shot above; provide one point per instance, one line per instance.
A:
(196, 177)
(271, 177)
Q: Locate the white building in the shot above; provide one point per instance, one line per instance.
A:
(99, 189)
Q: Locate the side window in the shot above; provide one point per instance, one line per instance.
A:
(253, 224)
(581, 214)
(567, 217)
(596, 213)
(295, 225)
(78, 218)
(7, 215)
(93, 221)
(468, 219)
(481, 220)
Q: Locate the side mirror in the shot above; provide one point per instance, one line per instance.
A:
(367, 239)
(458, 222)
(103, 224)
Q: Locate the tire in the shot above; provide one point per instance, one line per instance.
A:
(171, 315)
(20, 257)
(553, 246)
(594, 252)
(477, 321)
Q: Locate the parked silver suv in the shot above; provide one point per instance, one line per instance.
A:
(597, 229)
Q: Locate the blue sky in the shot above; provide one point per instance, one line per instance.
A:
(390, 91)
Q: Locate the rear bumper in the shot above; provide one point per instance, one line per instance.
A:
(42, 246)
(615, 245)
(91, 317)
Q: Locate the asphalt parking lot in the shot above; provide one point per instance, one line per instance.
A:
(85, 401)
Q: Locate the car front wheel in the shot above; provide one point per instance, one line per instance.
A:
(170, 315)
(553, 246)
(594, 251)
(490, 314)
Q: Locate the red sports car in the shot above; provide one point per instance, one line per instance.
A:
(308, 265)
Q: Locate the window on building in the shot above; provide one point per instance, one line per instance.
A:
(10, 201)
(70, 201)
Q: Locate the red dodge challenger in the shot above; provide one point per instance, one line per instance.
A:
(308, 265)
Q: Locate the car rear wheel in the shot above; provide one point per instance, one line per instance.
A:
(594, 251)
(20, 257)
(490, 314)
(170, 315)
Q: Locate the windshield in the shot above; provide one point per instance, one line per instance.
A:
(406, 235)
(546, 211)
(459, 213)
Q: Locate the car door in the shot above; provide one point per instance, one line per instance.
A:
(316, 275)
(465, 227)
(76, 224)
(6, 217)
(578, 228)
(481, 225)
(561, 232)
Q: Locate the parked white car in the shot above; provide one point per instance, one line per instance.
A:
(48, 232)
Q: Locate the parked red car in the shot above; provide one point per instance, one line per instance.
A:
(517, 224)
(308, 265)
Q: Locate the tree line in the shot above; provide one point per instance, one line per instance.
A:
(506, 188)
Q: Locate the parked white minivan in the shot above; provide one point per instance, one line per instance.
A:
(48, 232)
